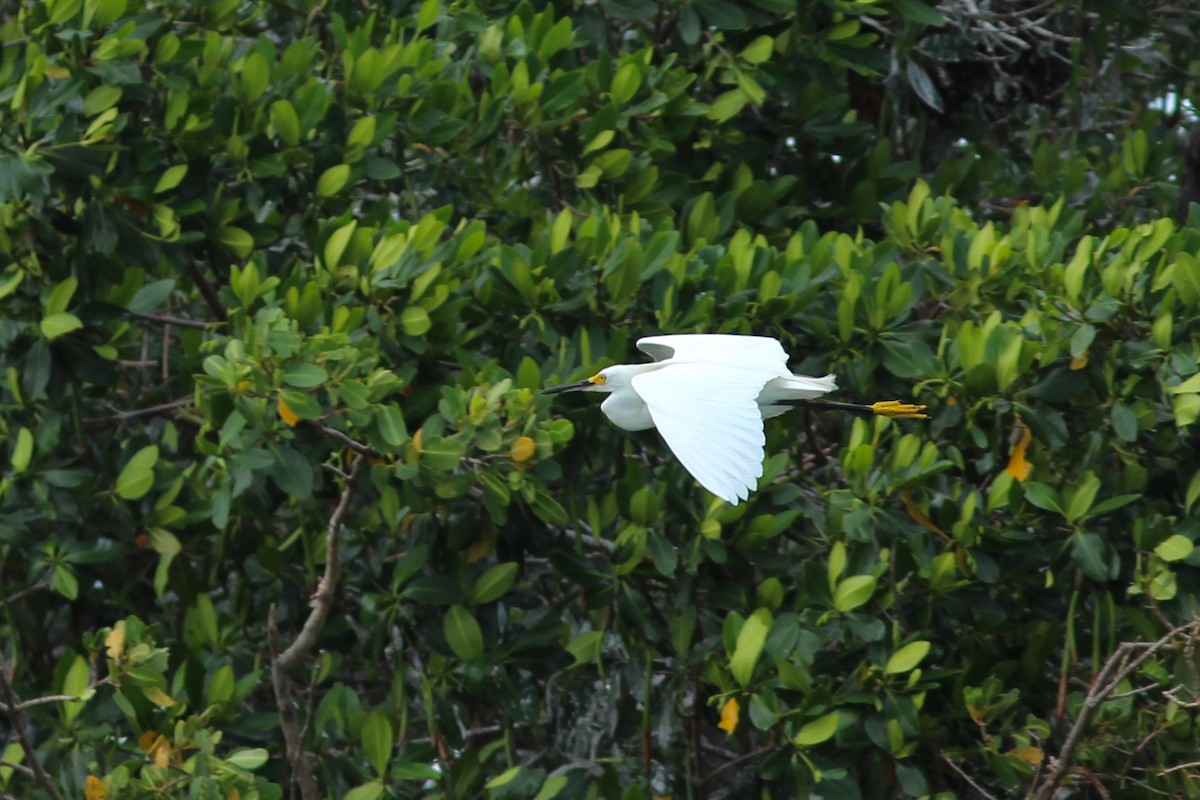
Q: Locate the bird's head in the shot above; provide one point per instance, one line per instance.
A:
(608, 379)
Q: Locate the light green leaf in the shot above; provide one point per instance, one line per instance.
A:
(368, 791)
(749, 645)
(332, 180)
(1176, 548)
(22, 451)
(137, 476)
(170, 178)
(248, 758)
(335, 246)
(819, 730)
(906, 658)
(378, 741)
(56, 325)
(853, 592)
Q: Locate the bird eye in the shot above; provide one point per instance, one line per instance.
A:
(598, 379)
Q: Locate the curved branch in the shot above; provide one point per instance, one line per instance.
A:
(284, 662)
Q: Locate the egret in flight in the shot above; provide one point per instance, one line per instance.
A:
(708, 395)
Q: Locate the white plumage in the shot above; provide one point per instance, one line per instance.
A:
(708, 395)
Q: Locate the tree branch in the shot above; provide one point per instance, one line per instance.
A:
(283, 662)
(16, 715)
(1119, 666)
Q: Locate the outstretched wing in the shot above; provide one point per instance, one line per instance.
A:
(708, 415)
(751, 352)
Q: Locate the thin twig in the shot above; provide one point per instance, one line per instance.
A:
(982, 792)
(1119, 666)
(143, 412)
(44, 583)
(166, 319)
(284, 662)
(16, 716)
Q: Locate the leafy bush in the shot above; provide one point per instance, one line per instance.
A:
(283, 508)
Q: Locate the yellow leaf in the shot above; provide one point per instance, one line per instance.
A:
(158, 696)
(93, 789)
(147, 740)
(115, 642)
(1080, 362)
(1030, 755)
(522, 449)
(286, 413)
(917, 514)
(418, 439)
(480, 547)
(730, 712)
(162, 753)
(1019, 466)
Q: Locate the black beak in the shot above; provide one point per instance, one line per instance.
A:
(569, 387)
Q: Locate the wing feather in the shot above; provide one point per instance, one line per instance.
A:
(751, 352)
(708, 415)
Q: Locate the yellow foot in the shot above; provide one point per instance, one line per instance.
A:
(897, 410)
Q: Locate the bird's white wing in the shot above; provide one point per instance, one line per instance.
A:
(708, 415)
(752, 352)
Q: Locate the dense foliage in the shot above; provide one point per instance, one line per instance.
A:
(283, 512)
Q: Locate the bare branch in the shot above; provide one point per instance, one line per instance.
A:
(180, 322)
(16, 715)
(284, 662)
(1119, 666)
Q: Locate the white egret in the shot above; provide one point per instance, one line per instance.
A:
(708, 395)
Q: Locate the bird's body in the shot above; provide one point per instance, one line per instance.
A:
(708, 394)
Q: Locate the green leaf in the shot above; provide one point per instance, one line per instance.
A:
(758, 50)
(368, 791)
(919, 12)
(428, 14)
(170, 178)
(248, 758)
(463, 633)
(236, 239)
(1124, 422)
(922, 85)
(378, 741)
(415, 321)
(56, 325)
(61, 296)
(853, 592)
(727, 105)
(22, 451)
(551, 788)
(749, 645)
(1175, 548)
(391, 425)
(333, 180)
(285, 122)
(626, 82)
(493, 583)
(819, 730)
(292, 472)
(335, 245)
(1043, 496)
(585, 647)
(137, 476)
(907, 658)
(1090, 553)
(305, 376)
(1082, 497)
(151, 296)
(1112, 504)
(10, 284)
